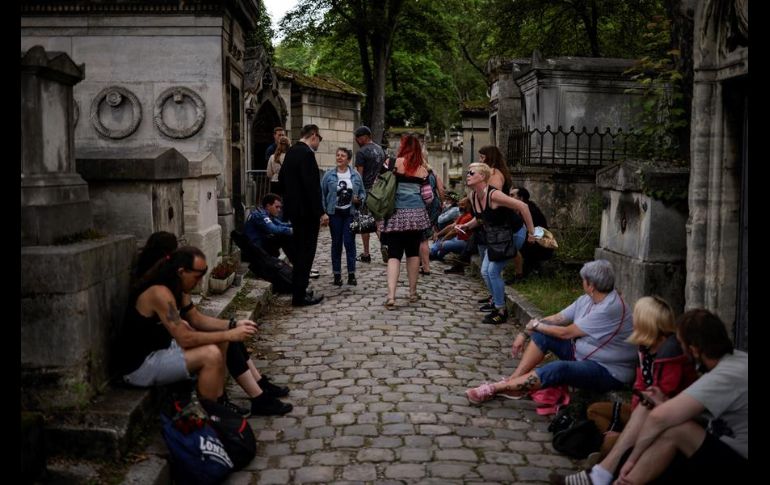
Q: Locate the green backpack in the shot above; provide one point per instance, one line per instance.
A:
(381, 198)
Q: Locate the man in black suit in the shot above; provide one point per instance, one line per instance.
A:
(302, 206)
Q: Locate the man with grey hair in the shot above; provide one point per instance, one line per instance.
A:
(601, 360)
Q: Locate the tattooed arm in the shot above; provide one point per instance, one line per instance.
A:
(159, 300)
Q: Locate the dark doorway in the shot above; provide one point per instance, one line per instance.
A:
(262, 134)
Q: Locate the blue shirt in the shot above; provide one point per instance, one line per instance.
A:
(260, 226)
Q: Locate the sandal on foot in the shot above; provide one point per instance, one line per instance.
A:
(413, 298)
(390, 304)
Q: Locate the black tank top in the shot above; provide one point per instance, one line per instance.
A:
(501, 216)
(141, 336)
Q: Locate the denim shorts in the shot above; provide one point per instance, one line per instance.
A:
(160, 368)
(585, 374)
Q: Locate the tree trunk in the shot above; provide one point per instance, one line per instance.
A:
(681, 14)
(377, 95)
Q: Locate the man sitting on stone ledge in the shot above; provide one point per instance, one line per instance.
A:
(160, 347)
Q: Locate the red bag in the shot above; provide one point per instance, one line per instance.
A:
(550, 399)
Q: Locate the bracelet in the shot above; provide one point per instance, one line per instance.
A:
(232, 324)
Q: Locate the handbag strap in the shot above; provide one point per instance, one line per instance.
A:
(620, 324)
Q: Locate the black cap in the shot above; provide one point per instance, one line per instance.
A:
(362, 130)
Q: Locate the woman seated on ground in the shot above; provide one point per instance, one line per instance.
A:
(450, 239)
(661, 364)
(601, 360)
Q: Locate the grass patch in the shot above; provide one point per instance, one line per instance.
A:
(551, 292)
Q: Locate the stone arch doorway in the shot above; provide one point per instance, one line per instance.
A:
(262, 134)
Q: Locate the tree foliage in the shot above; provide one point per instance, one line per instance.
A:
(417, 60)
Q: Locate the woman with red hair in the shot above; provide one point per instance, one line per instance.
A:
(402, 232)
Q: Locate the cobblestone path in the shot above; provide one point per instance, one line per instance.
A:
(379, 395)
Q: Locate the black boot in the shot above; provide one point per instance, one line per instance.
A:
(226, 402)
(352, 279)
(264, 405)
(337, 279)
(271, 389)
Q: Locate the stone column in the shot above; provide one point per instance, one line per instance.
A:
(54, 198)
(74, 294)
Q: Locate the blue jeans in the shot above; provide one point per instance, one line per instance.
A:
(585, 374)
(492, 271)
(439, 249)
(339, 226)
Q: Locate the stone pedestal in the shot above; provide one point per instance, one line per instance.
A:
(54, 198)
(135, 191)
(73, 299)
(642, 236)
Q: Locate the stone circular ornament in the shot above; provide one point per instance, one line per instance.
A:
(116, 98)
(179, 95)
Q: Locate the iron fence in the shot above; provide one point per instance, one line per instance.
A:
(259, 185)
(596, 148)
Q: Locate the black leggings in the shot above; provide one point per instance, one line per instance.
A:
(402, 242)
(237, 358)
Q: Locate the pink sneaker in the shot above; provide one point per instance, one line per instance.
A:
(478, 395)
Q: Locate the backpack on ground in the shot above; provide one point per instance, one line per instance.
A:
(196, 454)
(381, 198)
(234, 432)
(579, 440)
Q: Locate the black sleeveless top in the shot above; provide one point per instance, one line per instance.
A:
(141, 336)
(502, 216)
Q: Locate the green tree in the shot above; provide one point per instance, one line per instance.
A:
(372, 24)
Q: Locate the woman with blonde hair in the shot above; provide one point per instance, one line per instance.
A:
(494, 210)
(274, 164)
(662, 365)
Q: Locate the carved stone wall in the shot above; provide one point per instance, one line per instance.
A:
(719, 159)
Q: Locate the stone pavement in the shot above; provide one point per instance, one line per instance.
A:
(379, 395)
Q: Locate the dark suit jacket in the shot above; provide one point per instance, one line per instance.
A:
(301, 183)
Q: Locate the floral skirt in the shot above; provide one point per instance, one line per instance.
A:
(406, 220)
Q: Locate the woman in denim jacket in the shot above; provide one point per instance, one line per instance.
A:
(343, 192)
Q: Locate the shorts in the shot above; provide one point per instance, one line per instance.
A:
(716, 462)
(161, 367)
(399, 243)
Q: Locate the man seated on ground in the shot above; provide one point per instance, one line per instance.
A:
(264, 229)
(671, 440)
(449, 240)
(601, 359)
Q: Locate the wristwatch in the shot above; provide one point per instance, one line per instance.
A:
(232, 323)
